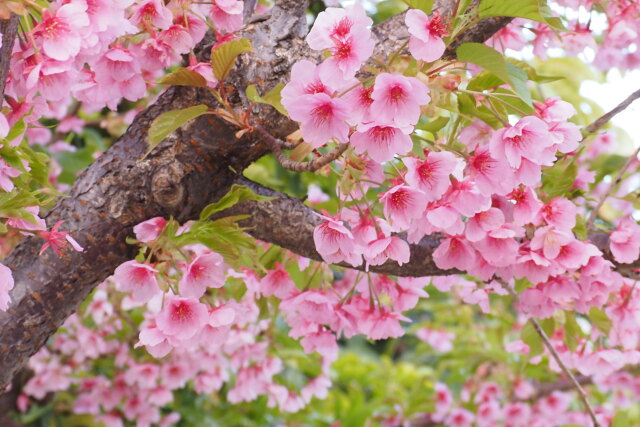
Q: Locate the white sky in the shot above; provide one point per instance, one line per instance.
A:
(609, 94)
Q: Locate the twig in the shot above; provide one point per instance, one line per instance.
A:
(576, 383)
(545, 389)
(556, 357)
(604, 119)
(614, 183)
(310, 166)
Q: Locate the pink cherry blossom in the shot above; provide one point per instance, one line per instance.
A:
(335, 242)
(382, 249)
(401, 204)
(337, 24)
(482, 223)
(550, 240)
(149, 230)
(625, 241)
(454, 252)
(526, 206)
(440, 341)
(322, 118)
(4, 126)
(305, 80)
(152, 12)
(116, 64)
(526, 139)
(359, 102)
(431, 176)
(382, 143)
(227, 14)
(425, 43)
(6, 284)
(178, 38)
(560, 213)
(58, 240)
(381, 324)
(137, 278)
(59, 30)
(182, 317)
(205, 70)
(205, 271)
(6, 173)
(348, 55)
(315, 195)
(277, 282)
(492, 176)
(397, 99)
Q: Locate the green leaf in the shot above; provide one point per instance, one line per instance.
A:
(224, 56)
(484, 80)
(522, 284)
(548, 326)
(621, 419)
(580, 230)
(530, 337)
(535, 10)
(572, 331)
(492, 60)
(167, 122)
(16, 131)
(273, 97)
(558, 179)
(184, 77)
(435, 125)
(599, 319)
(424, 5)
(237, 194)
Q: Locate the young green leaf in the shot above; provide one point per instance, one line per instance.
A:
(237, 194)
(535, 10)
(224, 56)
(273, 97)
(424, 5)
(492, 60)
(599, 319)
(167, 122)
(184, 77)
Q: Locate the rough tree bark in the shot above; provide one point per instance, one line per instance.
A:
(189, 169)
(8, 32)
(289, 223)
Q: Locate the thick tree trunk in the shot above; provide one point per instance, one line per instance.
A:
(188, 170)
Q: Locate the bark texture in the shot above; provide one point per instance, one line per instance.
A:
(8, 32)
(289, 223)
(189, 169)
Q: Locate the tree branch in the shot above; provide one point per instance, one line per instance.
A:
(188, 170)
(605, 118)
(293, 165)
(567, 371)
(8, 31)
(594, 213)
(289, 223)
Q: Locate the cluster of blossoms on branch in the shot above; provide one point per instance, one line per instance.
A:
(192, 318)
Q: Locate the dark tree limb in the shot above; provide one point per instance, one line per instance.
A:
(289, 223)
(188, 170)
(605, 118)
(8, 30)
